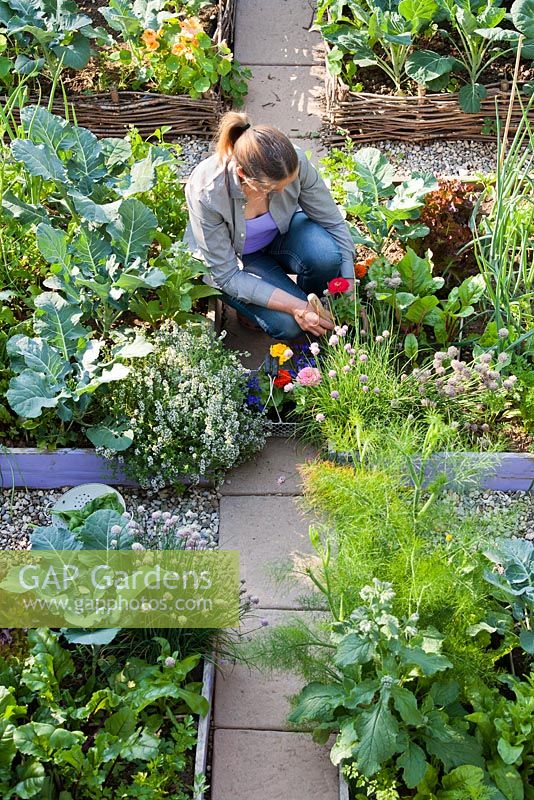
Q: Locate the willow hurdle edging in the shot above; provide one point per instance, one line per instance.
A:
(368, 117)
(112, 113)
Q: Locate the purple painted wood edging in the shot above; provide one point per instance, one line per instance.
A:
(52, 469)
(505, 472)
(32, 468)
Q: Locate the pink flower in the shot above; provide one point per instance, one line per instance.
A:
(289, 387)
(346, 368)
(320, 417)
(314, 349)
(332, 373)
(334, 395)
(309, 376)
(333, 340)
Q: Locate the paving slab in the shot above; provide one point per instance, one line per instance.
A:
(274, 470)
(270, 533)
(251, 699)
(284, 37)
(290, 98)
(271, 765)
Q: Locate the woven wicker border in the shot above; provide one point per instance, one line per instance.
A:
(112, 113)
(367, 117)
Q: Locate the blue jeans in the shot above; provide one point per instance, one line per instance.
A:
(308, 251)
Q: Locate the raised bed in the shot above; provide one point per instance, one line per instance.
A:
(31, 468)
(201, 757)
(113, 113)
(366, 117)
(343, 786)
(506, 472)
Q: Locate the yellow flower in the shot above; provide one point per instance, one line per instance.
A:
(279, 351)
(449, 537)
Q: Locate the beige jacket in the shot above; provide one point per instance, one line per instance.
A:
(216, 230)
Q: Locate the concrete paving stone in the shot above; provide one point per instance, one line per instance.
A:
(289, 98)
(249, 699)
(252, 699)
(271, 535)
(271, 765)
(276, 32)
(272, 471)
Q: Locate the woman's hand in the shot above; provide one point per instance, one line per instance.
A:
(310, 321)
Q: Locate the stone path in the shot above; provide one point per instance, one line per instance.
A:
(273, 38)
(256, 755)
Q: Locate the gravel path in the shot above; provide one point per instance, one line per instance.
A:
(193, 150)
(499, 513)
(458, 158)
(196, 512)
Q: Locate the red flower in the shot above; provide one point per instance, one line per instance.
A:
(338, 286)
(282, 379)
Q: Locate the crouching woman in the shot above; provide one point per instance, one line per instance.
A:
(258, 212)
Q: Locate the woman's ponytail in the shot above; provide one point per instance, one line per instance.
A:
(231, 126)
(264, 153)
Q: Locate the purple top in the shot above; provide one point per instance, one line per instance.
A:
(260, 232)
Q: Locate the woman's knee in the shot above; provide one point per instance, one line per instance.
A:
(319, 251)
(283, 327)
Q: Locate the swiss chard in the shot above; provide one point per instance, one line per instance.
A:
(47, 35)
(476, 37)
(62, 737)
(414, 296)
(375, 35)
(386, 211)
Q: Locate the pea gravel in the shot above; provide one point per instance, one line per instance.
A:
(197, 511)
(447, 158)
(193, 149)
(500, 513)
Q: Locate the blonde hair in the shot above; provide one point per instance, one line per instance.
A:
(264, 153)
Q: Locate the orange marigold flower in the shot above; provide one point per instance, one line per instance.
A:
(191, 27)
(361, 267)
(179, 49)
(150, 39)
